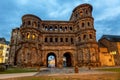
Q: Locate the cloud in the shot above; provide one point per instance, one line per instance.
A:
(105, 12)
(108, 13)
(60, 12)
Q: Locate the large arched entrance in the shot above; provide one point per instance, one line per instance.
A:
(67, 60)
(51, 60)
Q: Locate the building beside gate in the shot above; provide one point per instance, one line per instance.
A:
(4, 50)
(111, 55)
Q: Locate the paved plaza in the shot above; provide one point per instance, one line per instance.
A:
(59, 72)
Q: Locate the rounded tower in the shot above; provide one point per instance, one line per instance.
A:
(85, 35)
(29, 43)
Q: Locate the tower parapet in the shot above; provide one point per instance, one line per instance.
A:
(81, 11)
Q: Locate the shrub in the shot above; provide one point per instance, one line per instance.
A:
(2, 68)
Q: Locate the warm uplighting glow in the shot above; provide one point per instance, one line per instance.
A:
(113, 52)
(33, 36)
(28, 35)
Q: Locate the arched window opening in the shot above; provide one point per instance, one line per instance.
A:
(88, 23)
(70, 28)
(46, 39)
(90, 36)
(86, 12)
(84, 37)
(83, 24)
(46, 28)
(51, 39)
(71, 40)
(65, 28)
(61, 39)
(55, 28)
(34, 24)
(61, 28)
(56, 39)
(33, 36)
(66, 39)
(81, 13)
(28, 35)
(50, 28)
(29, 23)
(38, 24)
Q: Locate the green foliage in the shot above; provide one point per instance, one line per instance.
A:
(110, 69)
(2, 68)
(18, 70)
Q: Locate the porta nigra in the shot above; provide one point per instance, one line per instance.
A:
(75, 40)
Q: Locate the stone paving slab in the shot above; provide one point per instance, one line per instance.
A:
(13, 75)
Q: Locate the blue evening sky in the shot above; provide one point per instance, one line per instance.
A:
(106, 13)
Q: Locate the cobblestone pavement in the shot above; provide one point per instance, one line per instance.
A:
(64, 71)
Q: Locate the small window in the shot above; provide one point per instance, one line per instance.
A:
(6, 55)
(55, 28)
(34, 24)
(50, 28)
(71, 40)
(29, 23)
(66, 39)
(46, 28)
(90, 36)
(51, 39)
(61, 39)
(28, 35)
(33, 36)
(61, 28)
(65, 28)
(38, 24)
(70, 28)
(83, 24)
(81, 13)
(7, 49)
(84, 37)
(86, 12)
(56, 39)
(79, 39)
(88, 24)
(46, 39)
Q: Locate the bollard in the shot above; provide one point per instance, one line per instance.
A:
(89, 67)
(76, 69)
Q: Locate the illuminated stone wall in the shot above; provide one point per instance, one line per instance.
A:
(36, 39)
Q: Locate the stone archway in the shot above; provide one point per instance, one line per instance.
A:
(67, 60)
(51, 60)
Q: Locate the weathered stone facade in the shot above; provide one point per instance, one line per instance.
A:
(36, 39)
